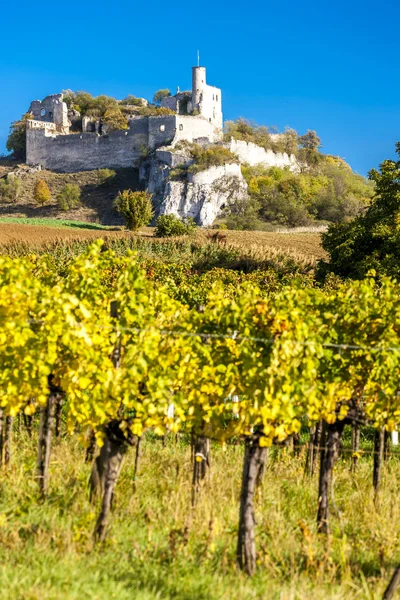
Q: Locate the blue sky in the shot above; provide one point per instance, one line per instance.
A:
(328, 66)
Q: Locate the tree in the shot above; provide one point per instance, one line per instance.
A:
(310, 144)
(371, 240)
(158, 96)
(115, 119)
(41, 192)
(69, 197)
(10, 188)
(135, 207)
(16, 142)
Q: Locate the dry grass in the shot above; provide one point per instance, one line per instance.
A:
(11, 233)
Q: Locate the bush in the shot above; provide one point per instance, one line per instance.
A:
(105, 176)
(170, 225)
(69, 197)
(136, 208)
(10, 189)
(214, 156)
(41, 192)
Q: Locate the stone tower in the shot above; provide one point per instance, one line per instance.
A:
(206, 99)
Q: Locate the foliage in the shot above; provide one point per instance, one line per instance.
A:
(154, 111)
(105, 176)
(132, 101)
(16, 141)
(328, 192)
(136, 208)
(69, 197)
(170, 225)
(371, 240)
(10, 188)
(101, 107)
(213, 156)
(159, 95)
(41, 192)
(115, 119)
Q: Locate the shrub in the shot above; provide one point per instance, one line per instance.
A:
(105, 176)
(69, 197)
(135, 207)
(10, 188)
(170, 225)
(41, 192)
(114, 119)
(214, 156)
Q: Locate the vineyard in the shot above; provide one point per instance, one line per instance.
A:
(192, 402)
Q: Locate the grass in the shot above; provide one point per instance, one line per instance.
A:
(59, 223)
(46, 550)
(196, 253)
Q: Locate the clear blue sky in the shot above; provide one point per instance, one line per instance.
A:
(328, 66)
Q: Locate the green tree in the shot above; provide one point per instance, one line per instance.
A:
(371, 240)
(69, 197)
(158, 96)
(310, 144)
(135, 207)
(41, 192)
(10, 188)
(16, 142)
(171, 225)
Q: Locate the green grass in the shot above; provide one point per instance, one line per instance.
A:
(46, 550)
(62, 223)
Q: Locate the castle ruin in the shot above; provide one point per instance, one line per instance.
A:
(51, 143)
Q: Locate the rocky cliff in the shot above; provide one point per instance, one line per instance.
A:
(201, 195)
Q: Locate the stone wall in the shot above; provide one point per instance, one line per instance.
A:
(79, 152)
(252, 154)
(87, 151)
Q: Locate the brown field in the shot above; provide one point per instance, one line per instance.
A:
(301, 247)
(11, 233)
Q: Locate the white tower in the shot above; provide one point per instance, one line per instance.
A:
(206, 99)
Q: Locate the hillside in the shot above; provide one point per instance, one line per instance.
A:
(96, 198)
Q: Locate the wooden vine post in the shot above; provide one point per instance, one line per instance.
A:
(201, 463)
(313, 448)
(45, 434)
(355, 445)
(331, 439)
(255, 457)
(8, 439)
(1, 437)
(379, 448)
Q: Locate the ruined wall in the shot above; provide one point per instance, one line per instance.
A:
(79, 152)
(195, 128)
(89, 150)
(253, 155)
(51, 109)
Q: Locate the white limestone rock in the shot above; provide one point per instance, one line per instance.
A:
(201, 196)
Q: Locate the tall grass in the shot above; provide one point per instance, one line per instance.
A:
(159, 548)
(196, 253)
